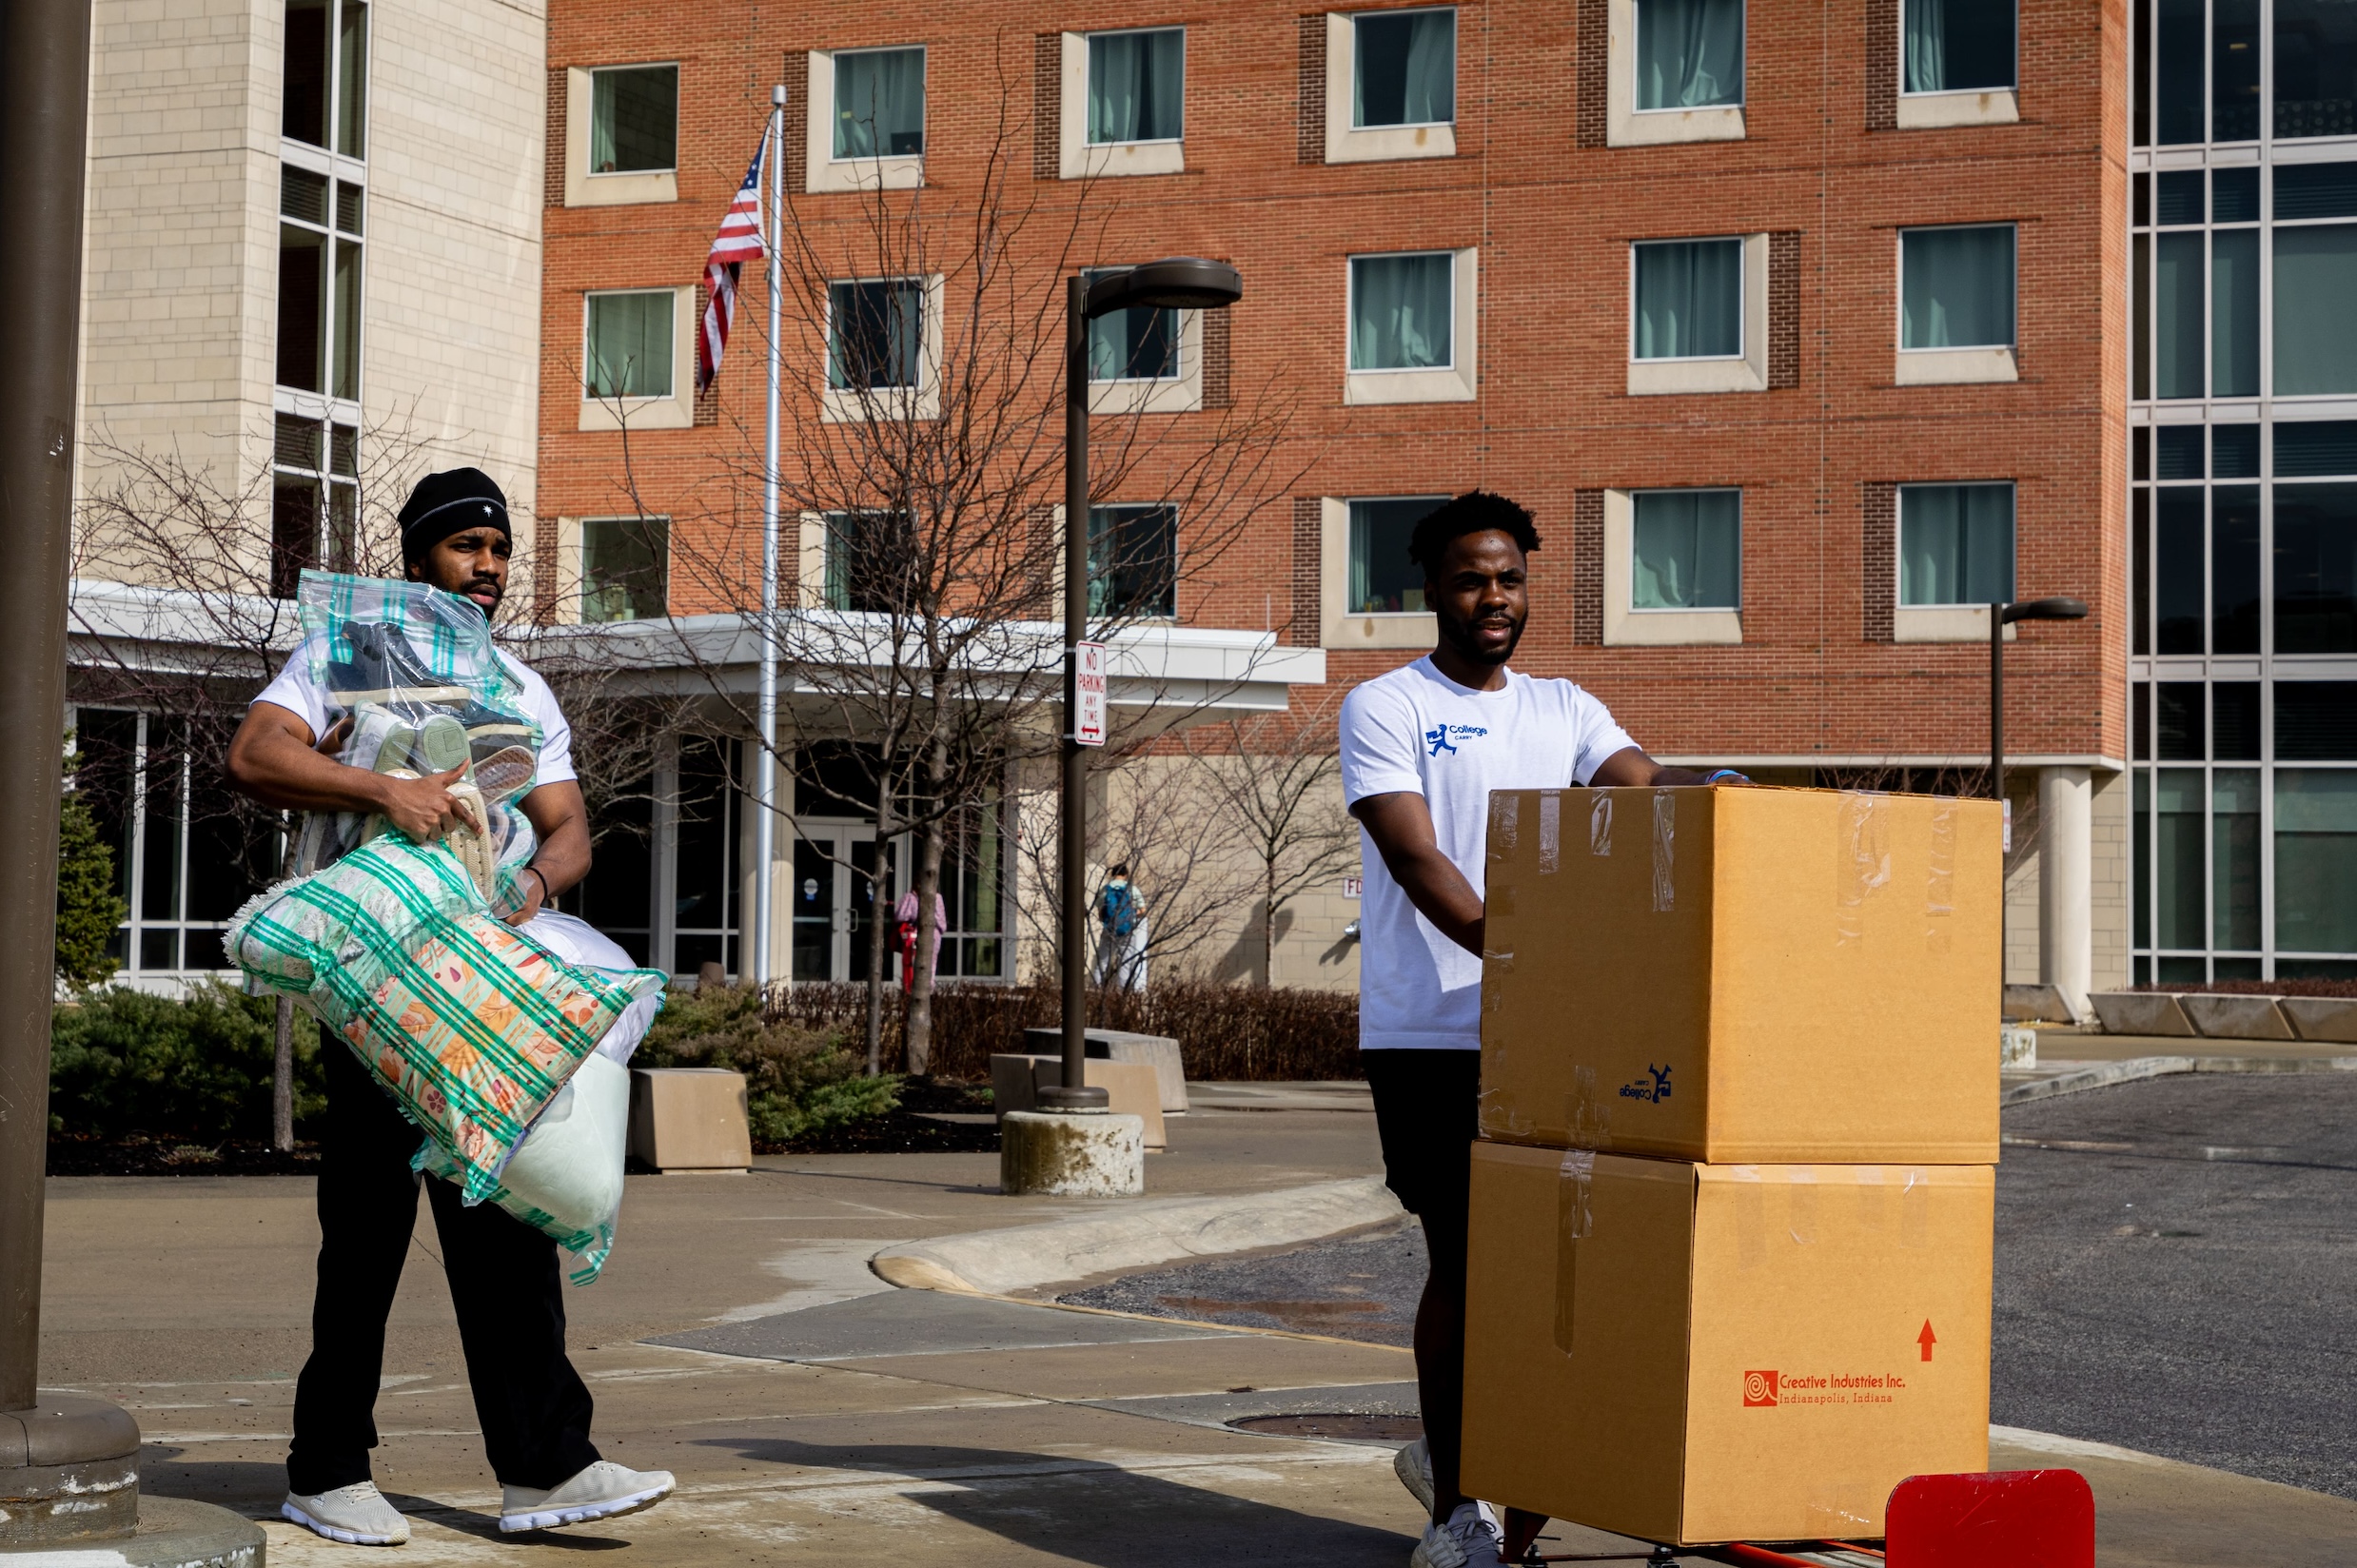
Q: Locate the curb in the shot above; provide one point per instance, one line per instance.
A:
(2140, 1068)
(1142, 1235)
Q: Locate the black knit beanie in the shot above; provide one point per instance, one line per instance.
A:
(450, 502)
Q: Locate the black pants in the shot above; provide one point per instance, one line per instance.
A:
(504, 1282)
(1427, 1112)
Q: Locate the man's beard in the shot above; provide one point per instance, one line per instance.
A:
(1459, 635)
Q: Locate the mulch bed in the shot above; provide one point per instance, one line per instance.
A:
(135, 1154)
(912, 1128)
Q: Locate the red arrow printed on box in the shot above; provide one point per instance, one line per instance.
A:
(1927, 1339)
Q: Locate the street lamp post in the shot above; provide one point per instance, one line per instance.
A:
(2000, 617)
(1178, 283)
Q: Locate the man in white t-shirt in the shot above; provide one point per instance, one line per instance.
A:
(505, 1280)
(1422, 749)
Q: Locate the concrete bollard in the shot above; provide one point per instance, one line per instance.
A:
(1069, 1154)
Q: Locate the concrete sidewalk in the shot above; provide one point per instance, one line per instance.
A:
(741, 1340)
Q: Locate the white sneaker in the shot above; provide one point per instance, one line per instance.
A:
(1469, 1540)
(604, 1490)
(356, 1515)
(1413, 1466)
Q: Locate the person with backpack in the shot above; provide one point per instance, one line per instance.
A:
(1121, 948)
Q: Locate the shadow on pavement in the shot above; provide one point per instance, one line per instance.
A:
(1106, 1515)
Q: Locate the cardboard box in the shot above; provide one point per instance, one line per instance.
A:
(1696, 1354)
(1741, 974)
(1131, 1086)
(689, 1119)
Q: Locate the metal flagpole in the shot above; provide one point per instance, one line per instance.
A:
(765, 767)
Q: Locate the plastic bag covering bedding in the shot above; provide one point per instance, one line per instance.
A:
(415, 671)
(470, 1024)
(565, 1179)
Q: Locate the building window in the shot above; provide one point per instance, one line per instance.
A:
(1383, 580)
(1687, 550)
(319, 283)
(1404, 69)
(1955, 304)
(1137, 345)
(1124, 103)
(870, 559)
(705, 859)
(879, 103)
(633, 119)
(625, 568)
(1137, 87)
(1689, 54)
(2315, 67)
(974, 890)
(1689, 300)
(630, 345)
(1956, 544)
(325, 93)
(1133, 561)
(2315, 861)
(314, 499)
(874, 334)
(2315, 569)
(1407, 313)
(2315, 330)
(1958, 46)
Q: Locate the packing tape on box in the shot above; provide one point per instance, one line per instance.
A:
(1600, 824)
(1862, 861)
(1915, 1210)
(1664, 850)
(1588, 1123)
(1751, 1217)
(1575, 1219)
(1800, 1183)
(1873, 1184)
(1550, 832)
(1505, 810)
(1939, 887)
(1830, 1510)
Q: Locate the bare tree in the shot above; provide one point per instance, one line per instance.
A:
(927, 463)
(1277, 780)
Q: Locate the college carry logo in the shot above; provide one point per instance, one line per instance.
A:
(1759, 1389)
(1442, 738)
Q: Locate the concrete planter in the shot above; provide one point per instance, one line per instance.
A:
(2039, 1004)
(2324, 1018)
(2236, 1017)
(2140, 1012)
(1159, 1052)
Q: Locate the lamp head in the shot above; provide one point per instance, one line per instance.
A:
(2047, 609)
(1176, 282)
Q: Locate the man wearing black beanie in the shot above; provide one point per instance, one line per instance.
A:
(505, 1280)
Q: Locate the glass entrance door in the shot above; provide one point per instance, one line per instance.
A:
(833, 900)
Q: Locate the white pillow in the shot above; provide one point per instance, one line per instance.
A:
(569, 1166)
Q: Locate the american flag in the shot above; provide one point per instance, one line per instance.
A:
(738, 242)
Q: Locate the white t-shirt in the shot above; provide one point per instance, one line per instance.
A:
(300, 695)
(1417, 731)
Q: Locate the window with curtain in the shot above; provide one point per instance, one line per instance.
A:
(1957, 288)
(1134, 560)
(1137, 345)
(2316, 329)
(1137, 86)
(1687, 550)
(1689, 53)
(633, 119)
(1402, 308)
(624, 568)
(1955, 543)
(870, 556)
(1958, 46)
(629, 349)
(879, 103)
(874, 333)
(2316, 860)
(1689, 300)
(1383, 580)
(1404, 69)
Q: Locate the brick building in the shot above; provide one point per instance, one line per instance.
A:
(1804, 331)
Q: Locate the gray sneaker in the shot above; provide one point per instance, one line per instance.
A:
(356, 1515)
(1469, 1540)
(1413, 1466)
(604, 1490)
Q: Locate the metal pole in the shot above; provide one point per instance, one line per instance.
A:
(1996, 705)
(45, 71)
(765, 766)
(1072, 853)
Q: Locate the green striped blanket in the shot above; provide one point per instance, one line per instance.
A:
(468, 1023)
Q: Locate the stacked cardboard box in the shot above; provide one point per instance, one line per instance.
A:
(1734, 1199)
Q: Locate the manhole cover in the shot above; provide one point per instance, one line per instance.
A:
(1350, 1428)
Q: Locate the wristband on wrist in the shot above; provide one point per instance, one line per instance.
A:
(1717, 776)
(542, 879)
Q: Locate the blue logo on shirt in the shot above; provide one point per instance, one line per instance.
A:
(1437, 737)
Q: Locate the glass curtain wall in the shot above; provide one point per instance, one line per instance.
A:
(2243, 509)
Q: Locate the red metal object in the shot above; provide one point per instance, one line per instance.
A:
(2023, 1519)
(1738, 1551)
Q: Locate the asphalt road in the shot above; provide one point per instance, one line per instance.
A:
(2176, 1273)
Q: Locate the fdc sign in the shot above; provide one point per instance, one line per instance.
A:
(1089, 693)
